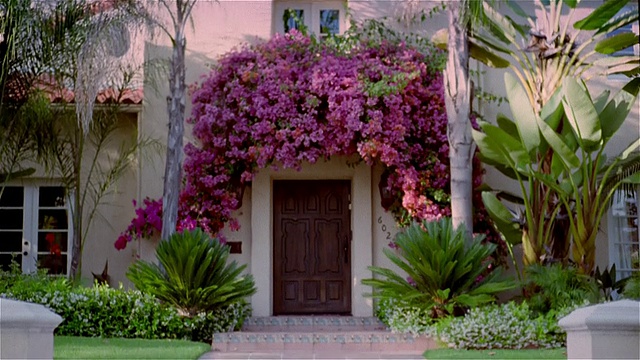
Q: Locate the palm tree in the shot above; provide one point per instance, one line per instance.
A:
(50, 48)
(179, 11)
(464, 17)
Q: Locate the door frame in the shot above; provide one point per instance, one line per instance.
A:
(261, 265)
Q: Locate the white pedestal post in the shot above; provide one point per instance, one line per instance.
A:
(604, 331)
(26, 330)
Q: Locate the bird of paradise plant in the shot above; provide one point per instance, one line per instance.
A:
(580, 178)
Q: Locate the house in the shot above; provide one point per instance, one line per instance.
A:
(275, 200)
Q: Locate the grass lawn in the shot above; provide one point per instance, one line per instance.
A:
(70, 347)
(496, 354)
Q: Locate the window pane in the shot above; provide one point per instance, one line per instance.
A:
(5, 260)
(52, 196)
(56, 264)
(52, 242)
(329, 22)
(293, 19)
(10, 241)
(12, 196)
(11, 219)
(52, 219)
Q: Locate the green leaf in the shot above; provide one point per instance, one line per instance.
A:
(616, 42)
(571, 3)
(615, 113)
(633, 86)
(601, 101)
(581, 114)
(510, 146)
(558, 145)
(601, 15)
(516, 8)
(500, 27)
(523, 114)
(486, 56)
(502, 217)
(620, 21)
(489, 150)
(553, 111)
(507, 125)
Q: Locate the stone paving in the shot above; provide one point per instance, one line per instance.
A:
(316, 337)
(296, 354)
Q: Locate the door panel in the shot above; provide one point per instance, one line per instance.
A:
(312, 234)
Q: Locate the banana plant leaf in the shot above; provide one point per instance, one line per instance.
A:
(525, 118)
(581, 114)
(601, 15)
(616, 42)
(503, 218)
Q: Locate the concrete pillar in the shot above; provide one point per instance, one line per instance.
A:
(604, 331)
(26, 330)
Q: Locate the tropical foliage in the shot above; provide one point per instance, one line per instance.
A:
(194, 274)
(292, 100)
(573, 129)
(554, 287)
(445, 276)
(543, 49)
(547, 46)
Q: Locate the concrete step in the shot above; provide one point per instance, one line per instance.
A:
(318, 341)
(312, 323)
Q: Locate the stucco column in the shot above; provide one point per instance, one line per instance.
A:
(604, 331)
(261, 265)
(362, 244)
(26, 330)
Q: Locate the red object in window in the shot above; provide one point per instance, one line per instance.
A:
(50, 237)
(54, 249)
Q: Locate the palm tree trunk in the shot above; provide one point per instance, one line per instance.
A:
(176, 106)
(458, 104)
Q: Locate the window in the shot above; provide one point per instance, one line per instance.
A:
(323, 18)
(35, 228)
(623, 226)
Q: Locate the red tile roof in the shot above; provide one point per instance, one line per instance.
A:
(107, 96)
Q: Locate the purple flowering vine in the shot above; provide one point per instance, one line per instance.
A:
(292, 100)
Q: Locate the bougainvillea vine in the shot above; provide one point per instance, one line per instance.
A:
(293, 100)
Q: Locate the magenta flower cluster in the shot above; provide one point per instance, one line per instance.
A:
(292, 100)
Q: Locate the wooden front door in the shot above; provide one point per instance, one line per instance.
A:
(312, 249)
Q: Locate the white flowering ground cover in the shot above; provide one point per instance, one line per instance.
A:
(560, 353)
(71, 347)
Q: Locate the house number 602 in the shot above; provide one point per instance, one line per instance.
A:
(383, 227)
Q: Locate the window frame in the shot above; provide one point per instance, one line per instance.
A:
(613, 232)
(311, 17)
(30, 223)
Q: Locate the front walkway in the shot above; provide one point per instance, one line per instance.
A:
(297, 354)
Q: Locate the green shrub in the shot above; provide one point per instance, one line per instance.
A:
(107, 312)
(444, 276)
(404, 319)
(506, 326)
(632, 287)
(554, 287)
(195, 275)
